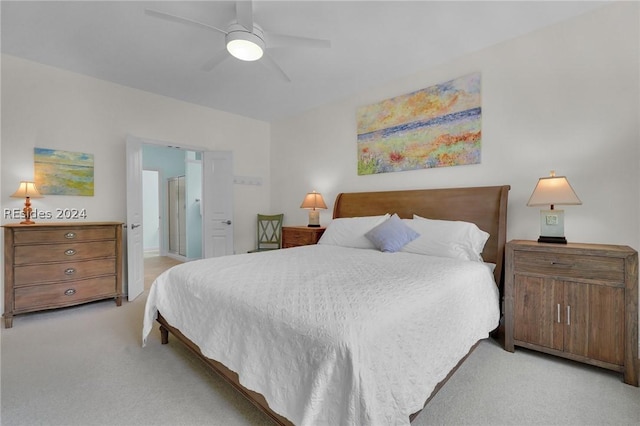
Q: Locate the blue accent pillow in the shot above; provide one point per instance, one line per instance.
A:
(391, 235)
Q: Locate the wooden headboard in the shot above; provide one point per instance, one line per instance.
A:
(485, 206)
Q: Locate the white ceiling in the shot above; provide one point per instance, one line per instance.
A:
(372, 42)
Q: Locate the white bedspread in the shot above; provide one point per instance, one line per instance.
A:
(332, 335)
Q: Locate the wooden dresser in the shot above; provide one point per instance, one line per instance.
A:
(293, 236)
(578, 301)
(53, 265)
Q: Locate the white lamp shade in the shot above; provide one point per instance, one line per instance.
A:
(553, 190)
(27, 189)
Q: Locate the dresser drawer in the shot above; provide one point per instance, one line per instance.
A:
(63, 294)
(66, 271)
(570, 266)
(43, 253)
(61, 235)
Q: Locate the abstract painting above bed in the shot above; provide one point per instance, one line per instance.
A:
(434, 127)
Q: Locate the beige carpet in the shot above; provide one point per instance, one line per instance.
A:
(85, 366)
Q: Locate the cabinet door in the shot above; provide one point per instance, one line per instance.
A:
(594, 322)
(536, 311)
(576, 318)
(606, 324)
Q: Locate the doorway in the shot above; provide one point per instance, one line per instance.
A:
(179, 194)
(209, 203)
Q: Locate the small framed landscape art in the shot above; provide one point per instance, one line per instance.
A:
(62, 172)
(438, 126)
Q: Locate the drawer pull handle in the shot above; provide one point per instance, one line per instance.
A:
(70, 252)
(70, 292)
(558, 313)
(568, 315)
(70, 235)
(567, 265)
(69, 271)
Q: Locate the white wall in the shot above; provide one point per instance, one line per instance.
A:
(564, 98)
(46, 107)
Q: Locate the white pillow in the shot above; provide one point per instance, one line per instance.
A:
(349, 231)
(446, 238)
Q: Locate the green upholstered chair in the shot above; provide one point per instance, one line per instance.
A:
(269, 232)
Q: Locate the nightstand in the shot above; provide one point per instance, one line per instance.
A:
(293, 236)
(577, 301)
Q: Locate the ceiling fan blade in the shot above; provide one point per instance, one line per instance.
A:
(282, 40)
(179, 19)
(271, 64)
(244, 14)
(215, 61)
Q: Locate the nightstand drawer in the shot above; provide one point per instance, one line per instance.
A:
(63, 294)
(31, 274)
(63, 252)
(570, 266)
(300, 239)
(294, 236)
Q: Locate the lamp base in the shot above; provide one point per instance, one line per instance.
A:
(314, 219)
(26, 211)
(553, 240)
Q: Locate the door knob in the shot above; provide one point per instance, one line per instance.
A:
(228, 222)
(134, 225)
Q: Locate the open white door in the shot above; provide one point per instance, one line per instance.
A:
(217, 211)
(135, 249)
(217, 198)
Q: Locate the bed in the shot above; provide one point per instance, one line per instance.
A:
(345, 333)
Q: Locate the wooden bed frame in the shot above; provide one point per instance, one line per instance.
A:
(484, 206)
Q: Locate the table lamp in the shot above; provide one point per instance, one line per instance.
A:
(27, 190)
(553, 190)
(313, 201)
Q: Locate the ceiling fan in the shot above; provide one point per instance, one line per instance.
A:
(246, 40)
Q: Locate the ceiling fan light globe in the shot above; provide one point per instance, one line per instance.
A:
(244, 50)
(245, 46)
